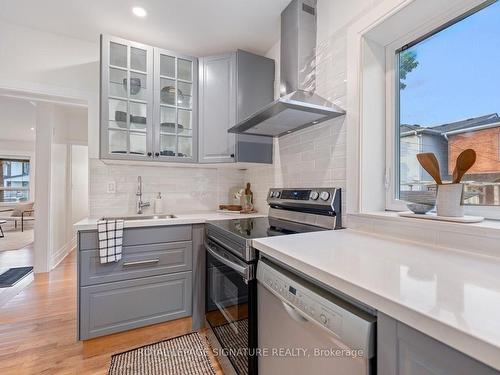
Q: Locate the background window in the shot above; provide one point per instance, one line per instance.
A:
(14, 180)
(449, 100)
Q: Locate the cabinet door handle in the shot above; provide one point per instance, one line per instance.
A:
(232, 155)
(157, 154)
(150, 154)
(140, 262)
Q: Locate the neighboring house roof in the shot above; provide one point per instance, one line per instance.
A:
(409, 128)
(477, 123)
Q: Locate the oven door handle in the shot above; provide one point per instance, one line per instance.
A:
(243, 271)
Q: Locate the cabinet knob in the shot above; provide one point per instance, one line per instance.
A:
(150, 154)
(232, 155)
(157, 154)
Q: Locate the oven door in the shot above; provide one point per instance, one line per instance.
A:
(231, 292)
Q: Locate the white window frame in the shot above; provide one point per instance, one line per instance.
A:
(392, 109)
(28, 189)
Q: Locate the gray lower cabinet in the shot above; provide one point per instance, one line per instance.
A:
(402, 350)
(152, 283)
(123, 305)
(232, 86)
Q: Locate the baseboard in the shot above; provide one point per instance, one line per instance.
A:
(60, 254)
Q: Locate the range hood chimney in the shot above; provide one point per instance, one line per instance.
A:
(299, 106)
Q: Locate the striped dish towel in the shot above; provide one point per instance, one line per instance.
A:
(110, 234)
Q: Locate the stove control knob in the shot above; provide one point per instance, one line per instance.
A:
(314, 195)
(323, 319)
(277, 194)
(324, 195)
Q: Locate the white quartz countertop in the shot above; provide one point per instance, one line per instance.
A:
(90, 223)
(449, 295)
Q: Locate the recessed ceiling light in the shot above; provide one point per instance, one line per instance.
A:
(139, 12)
(32, 128)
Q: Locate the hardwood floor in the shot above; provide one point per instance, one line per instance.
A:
(38, 330)
(17, 258)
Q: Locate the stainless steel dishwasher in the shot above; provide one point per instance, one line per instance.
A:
(303, 329)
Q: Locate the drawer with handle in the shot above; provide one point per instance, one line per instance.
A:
(87, 240)
(137, 261)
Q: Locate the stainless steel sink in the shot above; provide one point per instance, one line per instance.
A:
(140, 217)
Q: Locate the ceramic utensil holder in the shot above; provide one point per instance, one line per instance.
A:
(449, 200)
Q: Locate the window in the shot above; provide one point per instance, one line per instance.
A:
(14, 180)
(448, 100)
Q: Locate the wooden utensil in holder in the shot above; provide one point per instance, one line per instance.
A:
(429, 162)
(465, 161)
(449, 199)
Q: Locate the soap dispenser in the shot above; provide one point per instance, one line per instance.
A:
(158, 204)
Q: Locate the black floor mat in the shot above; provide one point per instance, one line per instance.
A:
(13, 275)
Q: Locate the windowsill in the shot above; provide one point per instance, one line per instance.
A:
(486, 224)
(477, 238)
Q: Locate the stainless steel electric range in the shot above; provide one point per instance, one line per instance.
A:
(231, 286)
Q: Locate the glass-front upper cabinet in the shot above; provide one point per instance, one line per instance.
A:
(176, 103)
(126, 99)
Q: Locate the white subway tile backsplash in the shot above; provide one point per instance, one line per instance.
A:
(183, 189)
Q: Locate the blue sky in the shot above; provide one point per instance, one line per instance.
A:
(458, 76)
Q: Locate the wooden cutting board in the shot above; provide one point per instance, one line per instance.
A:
(230, 207)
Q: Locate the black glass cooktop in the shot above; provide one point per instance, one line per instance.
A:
(259, 227)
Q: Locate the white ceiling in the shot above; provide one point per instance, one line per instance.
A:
(196, 27)
(17, 117)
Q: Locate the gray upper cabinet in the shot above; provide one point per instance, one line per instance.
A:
(175, 106)
(217, 108)
(126, 99)
(158, 105)
(232, 87)
(149, 103)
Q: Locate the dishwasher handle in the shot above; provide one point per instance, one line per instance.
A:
(294, 313)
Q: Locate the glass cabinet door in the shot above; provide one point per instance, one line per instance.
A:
(126, 99)
(176, 91)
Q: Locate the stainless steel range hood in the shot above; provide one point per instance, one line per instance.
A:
(298, 107)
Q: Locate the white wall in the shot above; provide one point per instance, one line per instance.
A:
(69, 178)
(17, 119)
(79, 187)
(60, 216)
(56, 170)
(43, 150)
(55, 66)
(36, 59)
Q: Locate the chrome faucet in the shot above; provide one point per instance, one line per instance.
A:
(140, 204)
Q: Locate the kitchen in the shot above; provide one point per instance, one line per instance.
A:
(318, 273)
